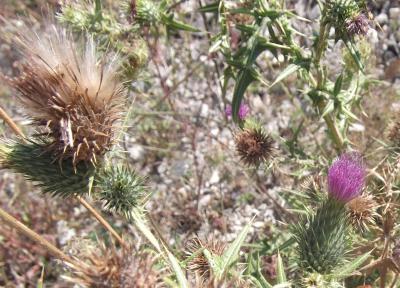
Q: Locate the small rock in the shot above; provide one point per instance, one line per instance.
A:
(382, 18)
(136, 152)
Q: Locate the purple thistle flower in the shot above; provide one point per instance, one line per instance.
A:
(357, 25)
(243, 111)
(346, 177)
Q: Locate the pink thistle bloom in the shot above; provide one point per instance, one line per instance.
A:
(346, 177)
(244, 109)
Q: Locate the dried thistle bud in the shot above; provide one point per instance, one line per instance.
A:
(147, 12)
(109, 267)
(75, 96)
(121, 189)
(254, 146)
(313, 187)
(362, 211)
(199, 263)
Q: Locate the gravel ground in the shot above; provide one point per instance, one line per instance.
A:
(181, 139)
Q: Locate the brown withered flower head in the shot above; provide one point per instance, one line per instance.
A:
(112, 267)
(199, 263)
(70, 92)
(362, 212)
(254, 146)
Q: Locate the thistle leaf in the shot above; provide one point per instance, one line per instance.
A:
(347, 269)
(232, 253)
(290, 69)
(280, 270)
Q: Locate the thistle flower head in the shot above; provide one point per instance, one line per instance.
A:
(357, 25)
(345, 16)
(244, 110)
(76, 96)
(361, 212)
(254, 146)
(346, 177)
(121, 188)
(199, 262)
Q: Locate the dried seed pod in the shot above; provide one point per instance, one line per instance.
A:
(254, 146)
(362, 211)
(112, 267)
(199, 262)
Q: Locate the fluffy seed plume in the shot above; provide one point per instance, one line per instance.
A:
(254, 146)
(362, 211)
(199, 263)
(74, 94)
(346, 177)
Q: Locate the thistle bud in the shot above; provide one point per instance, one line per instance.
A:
(37, 164)
(322, 238)
(121, 189)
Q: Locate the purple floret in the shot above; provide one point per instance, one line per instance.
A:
(243, 111)
(346, 177)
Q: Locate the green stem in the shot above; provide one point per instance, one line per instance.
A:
(319, 84)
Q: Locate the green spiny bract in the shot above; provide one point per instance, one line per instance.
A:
(38, 164)
(121, 188)
(323, 238)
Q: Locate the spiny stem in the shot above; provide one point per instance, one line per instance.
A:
(319, 83)
(91, 209)
(53, 250)
(11, 123)
(102, 221)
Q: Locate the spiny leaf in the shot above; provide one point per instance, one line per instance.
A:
(232, 253)
(280, 270)
(290, 69)
(347, 269)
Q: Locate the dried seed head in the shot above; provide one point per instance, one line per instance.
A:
(313, 187)
(362, 212)
(199, 263)
(109, 267)
(76, 96)
(254, 146)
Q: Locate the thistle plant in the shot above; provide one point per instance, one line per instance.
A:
(323, 238)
